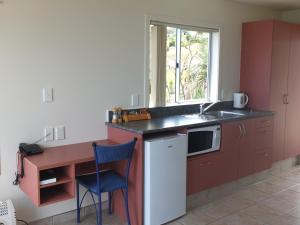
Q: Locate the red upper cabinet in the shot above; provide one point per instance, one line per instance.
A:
(256, 62)
(292, 147)
(265, 64)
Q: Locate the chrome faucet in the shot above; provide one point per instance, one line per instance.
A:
(205, 109)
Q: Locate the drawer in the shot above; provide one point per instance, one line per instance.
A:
(263, 138)
(262, 160)
(264, 122)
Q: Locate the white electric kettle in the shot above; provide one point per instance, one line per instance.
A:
(240, 100)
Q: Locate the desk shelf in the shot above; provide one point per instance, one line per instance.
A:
(62, 189)
(54, 194)
(63, 174)
(61, 179)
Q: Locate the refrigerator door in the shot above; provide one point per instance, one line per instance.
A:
(165, 179)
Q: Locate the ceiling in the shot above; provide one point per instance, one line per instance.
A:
(275, 4)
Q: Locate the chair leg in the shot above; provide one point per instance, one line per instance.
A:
(77, 200)
(110, 202)
(100, 210)
(126, 206)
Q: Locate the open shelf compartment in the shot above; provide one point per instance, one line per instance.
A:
(56, 193)
(63, 174)
(62, 189)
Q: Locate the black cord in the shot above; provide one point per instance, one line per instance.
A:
(19, 157)
(23, 221)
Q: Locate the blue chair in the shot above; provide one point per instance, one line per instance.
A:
(106, 181)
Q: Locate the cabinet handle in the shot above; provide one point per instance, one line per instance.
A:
(241, 132)
(285, 99)
(244, 128)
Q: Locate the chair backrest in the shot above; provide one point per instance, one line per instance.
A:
(107, 154)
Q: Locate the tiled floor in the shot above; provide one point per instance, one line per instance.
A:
(274, 201)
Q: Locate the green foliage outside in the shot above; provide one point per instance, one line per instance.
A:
(193, 68)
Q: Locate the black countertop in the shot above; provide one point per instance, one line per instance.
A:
(185, 121)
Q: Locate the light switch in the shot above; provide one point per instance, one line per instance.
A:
(48, 133)
(134, 100)
(60, 133)
(47, 95)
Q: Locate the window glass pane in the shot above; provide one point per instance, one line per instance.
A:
(170, 65)
(194, 62)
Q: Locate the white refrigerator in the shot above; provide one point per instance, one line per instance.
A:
(165, 179)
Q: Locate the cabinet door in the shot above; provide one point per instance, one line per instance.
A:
(262, 160)
(256, 62)
(193, 179)
(279, 77)
(231, 134)
(292, 147)
(201, 173)
(246, 155)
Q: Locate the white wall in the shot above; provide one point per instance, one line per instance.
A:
(92, 53)
(292, 16)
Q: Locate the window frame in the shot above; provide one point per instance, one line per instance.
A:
(178, 66)
(215, 48)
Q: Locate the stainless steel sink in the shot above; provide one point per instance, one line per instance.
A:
(202, 117)
(215, 115)
(225, 114)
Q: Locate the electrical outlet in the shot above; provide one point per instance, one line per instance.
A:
(60, 133)
(48, 133)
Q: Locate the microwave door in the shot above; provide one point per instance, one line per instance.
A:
(200, 142)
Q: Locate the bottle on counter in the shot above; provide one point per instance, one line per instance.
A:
(119, 112)
(114, 115)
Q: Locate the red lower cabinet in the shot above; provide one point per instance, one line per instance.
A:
(246, 145)
(246, 148)
(230, 149)
(262, 160)
(203, 172)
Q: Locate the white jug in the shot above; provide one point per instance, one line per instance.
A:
(240, 100)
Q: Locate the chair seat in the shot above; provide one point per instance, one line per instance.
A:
(109, 181)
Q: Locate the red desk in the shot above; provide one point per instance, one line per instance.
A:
(67, 161)
(77, 159)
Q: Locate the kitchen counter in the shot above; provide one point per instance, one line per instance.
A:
(186, 121)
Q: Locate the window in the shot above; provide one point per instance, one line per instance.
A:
(183, 64)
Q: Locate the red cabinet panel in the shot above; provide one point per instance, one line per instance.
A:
(203, 172)
(279, 77)
(231, 134)
(292, 137)
(263, 137)
(262, 160)
(256, 62)
(246, 146)
(265, 64)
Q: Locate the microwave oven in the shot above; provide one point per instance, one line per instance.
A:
(204, 139)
